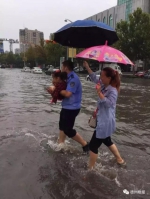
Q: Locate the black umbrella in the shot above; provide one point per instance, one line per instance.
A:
(85, 33)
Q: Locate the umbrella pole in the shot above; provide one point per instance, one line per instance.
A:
(67, 52)
(72, 55)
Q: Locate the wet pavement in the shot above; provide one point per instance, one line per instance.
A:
(32, 165)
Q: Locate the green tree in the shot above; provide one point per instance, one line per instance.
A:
(79, 50)
(31, 56)
(10, 58)
(53, 52)
(134, 35)
(40, 54)
(18, 61)
(3, 58)
(42, 43)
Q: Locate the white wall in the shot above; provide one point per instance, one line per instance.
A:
(118, 12)
(144, 4)
(121, 10)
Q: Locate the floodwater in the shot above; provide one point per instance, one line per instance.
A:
(32, 166)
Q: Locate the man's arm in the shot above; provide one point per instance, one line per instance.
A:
(71, 88)
(66, 93)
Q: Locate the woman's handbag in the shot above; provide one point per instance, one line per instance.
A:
(93, 119)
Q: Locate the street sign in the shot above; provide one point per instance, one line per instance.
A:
(72, 52)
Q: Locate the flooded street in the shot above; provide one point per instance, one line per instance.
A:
(33, 167)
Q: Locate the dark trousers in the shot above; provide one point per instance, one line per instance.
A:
(67, 120)
(95, 143)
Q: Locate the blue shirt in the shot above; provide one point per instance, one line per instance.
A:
(106, 115)
(74, 86)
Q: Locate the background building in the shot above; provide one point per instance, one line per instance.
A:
(1, 47)
(29, 37)
(120, 12)
(17, 51)
(51, 36)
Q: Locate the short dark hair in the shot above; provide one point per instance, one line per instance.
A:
(69, 64)
(61, 75)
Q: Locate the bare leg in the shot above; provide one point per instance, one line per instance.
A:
(92, 160)
(79, 139)
(62, 137)
(116, 153)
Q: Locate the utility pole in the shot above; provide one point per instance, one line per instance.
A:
(11, 42)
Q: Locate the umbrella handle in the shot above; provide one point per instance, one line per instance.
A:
(106, 42)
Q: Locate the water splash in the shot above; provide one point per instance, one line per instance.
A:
(30, 135)
(65, 147)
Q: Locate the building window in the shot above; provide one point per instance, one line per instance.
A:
(111, 21)
(22, 33)
(41, 35)
(104, 20)
(128, 9)
(120, 2)
(34, 34)
(34, 41)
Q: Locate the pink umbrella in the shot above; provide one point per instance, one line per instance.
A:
(105, 54)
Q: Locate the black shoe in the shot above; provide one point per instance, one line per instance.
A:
(86, 148)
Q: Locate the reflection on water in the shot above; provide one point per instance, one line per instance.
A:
(32, 164)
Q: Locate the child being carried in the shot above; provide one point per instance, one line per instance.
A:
(60, 83)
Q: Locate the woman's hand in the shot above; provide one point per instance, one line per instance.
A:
(98, 87)
(85, 64)
(100, 94)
